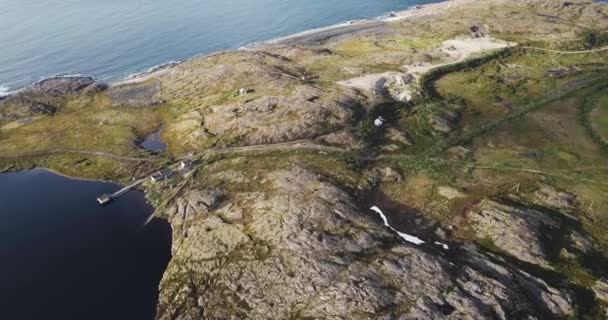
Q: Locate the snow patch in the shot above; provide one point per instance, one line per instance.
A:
(379, 122)
(443, 245)
(409, 238)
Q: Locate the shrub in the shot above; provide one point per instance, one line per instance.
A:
(592, 39)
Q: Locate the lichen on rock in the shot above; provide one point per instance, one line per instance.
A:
(303, 248)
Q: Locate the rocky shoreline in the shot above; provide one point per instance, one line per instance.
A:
(456, 122)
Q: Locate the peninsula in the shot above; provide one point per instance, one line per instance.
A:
(446, 162)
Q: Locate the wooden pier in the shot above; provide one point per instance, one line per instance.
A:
(107, 198)
(186, 165)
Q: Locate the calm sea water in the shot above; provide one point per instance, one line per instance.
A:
(111, 39)
(62, 256)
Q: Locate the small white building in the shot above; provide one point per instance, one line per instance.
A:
(186, 165)
(243, 91)
(161, 175)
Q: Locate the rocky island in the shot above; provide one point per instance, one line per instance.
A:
(447, 162)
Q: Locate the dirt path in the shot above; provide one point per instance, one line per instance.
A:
(82, 152)
(566, 52)
(304, 144)
(292, 145)
(458, 50)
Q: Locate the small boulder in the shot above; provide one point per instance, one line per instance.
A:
(395, 135)
(450, 193)
(600, 288)
(95, 88)
(388, 174)
(459, 152)
(581, 242)
(440, 124)
(341, 138)
(555, 199)
(210, 198)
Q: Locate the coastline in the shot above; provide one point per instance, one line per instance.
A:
(300, 38)
(58, 173)
(403, 139)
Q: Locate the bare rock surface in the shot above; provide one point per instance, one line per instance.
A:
(139, 94)
(514, 230)
(450, 193)
(273, 119)
(296, 246)
(341, 138)
(281, 103)
(555, 199)
(305, 114)
(44, 97)
(601, 293)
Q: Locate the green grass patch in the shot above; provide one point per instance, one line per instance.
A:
(599, 116)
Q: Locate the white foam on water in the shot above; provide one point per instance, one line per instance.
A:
(154, 69)
(407, 237)
(5, 91)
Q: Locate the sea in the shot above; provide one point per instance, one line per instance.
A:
(113, 39)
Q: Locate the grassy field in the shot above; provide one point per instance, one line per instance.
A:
(94, 126)
(505, 85)
(599, 115)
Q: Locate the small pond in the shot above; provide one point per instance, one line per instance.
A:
(154, 142)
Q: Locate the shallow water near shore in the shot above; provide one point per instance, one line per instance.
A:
(65, 257)
(113, 39)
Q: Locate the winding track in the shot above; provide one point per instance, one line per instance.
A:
(566, 52)
(304, 144)
(72, 151)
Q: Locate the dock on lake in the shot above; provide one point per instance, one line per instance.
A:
(107, 198)
(183, 167)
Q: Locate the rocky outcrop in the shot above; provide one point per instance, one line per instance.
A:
(194, 204)
(138, 94)
(11, 109)
(459, 153)
(58, 87)
(450, 193)
(514, 230)
(445, 118)
(218, 77)
(534, 235)
(550, 197)
(600, 288)
(44, 97)
(343, 139)
(295, 246)
(305, 114)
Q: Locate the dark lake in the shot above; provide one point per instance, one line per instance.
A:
(62, 256)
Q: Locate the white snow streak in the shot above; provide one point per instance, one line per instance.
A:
(404, 236)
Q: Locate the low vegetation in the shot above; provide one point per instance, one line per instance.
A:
(500, 126)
